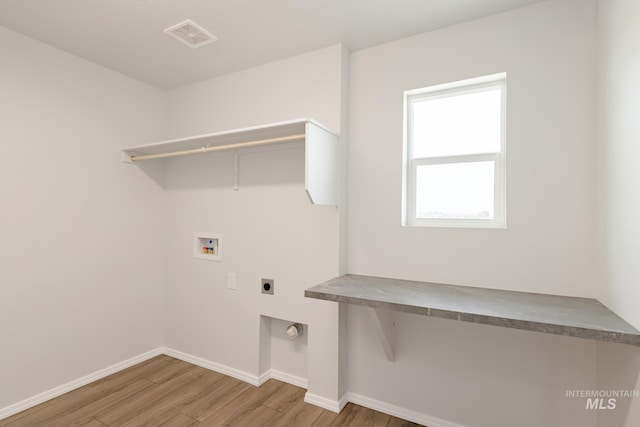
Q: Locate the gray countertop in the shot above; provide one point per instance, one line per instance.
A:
(553, 314)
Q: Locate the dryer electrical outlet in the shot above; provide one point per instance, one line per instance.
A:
(267, 286)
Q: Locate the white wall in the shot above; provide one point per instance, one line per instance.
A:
(471, 374)
(305, 86)
(80, 276)
(78, 308)
(270, 229)
(619, 132)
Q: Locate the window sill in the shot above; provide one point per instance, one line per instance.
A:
(456, 223)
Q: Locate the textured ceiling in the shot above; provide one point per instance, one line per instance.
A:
(126, 35)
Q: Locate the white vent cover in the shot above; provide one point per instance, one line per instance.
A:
(191, 34)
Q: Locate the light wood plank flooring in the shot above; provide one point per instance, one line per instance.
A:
(166, 392)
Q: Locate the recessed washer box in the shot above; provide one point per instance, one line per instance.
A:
(207, 246)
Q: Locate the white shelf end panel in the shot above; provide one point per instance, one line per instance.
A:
(321, 165)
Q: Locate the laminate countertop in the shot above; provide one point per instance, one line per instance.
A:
(552, 314)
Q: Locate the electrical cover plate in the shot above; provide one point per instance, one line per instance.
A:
(267, 286)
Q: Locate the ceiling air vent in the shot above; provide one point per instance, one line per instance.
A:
(191, 34)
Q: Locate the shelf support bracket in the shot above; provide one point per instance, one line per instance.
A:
(382, 320)
(236, 172)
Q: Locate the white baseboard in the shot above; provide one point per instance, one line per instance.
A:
(256, 380)
(214, 366)
(322, 402)
(313, 399)
(288, 378)
(400, 412)
(72, 385)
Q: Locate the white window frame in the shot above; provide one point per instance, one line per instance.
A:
(498, 158)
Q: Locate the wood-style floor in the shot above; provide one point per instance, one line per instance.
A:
(167, 392)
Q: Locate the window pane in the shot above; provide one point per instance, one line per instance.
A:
(455, 190)
(467, 123)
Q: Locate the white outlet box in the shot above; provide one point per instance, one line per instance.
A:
(207, 246)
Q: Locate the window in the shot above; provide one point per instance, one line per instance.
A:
(454, 154)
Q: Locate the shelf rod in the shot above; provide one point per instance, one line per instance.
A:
(296, 137)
